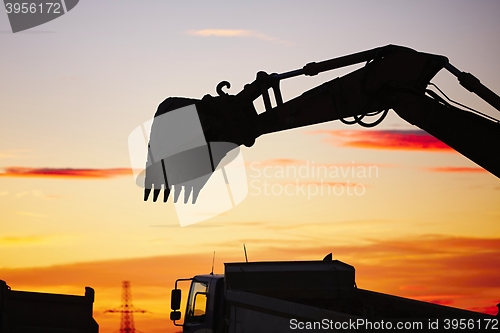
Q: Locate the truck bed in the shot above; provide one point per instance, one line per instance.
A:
(33, 312)
(366, 303)
(249, 312)
(272, 296)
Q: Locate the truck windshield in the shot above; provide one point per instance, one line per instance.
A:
(197, 302)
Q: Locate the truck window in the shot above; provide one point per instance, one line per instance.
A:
(197, 302)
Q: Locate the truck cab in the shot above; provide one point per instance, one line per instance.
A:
(205, 308)
(254, 293)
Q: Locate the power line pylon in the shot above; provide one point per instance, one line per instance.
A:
(127, 310)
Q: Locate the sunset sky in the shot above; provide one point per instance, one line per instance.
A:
(415, 218)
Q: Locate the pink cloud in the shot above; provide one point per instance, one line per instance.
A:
(457, 169)
(416, 140)
(64, 172)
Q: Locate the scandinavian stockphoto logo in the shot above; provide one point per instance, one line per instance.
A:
(170, 153)
(25, 15)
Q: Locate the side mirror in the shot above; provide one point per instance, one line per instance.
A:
(175, 300)
(175, 315)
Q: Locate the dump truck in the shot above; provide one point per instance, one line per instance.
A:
(36, 312)
(314, 296)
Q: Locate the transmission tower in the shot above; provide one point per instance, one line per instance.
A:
(127, 310)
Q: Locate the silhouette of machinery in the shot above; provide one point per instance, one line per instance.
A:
(393, 77)
(35, 312)
(127, 310)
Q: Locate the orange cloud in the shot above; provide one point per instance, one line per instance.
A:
(13, 153)
(416, 140)
(457, 169)
(17, 240)
(275, 162)
(327, 185)
(291, 161)
(64, 172)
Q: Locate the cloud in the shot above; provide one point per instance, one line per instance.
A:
(416, 140)
(309, 163)
(457, 169)
(324, 183)
(30, 214)
(13, 153)
(235, 33)
(275, 162)
(64, 172)
(40, 194)
(35, 193)
(304, 169)
(71, 78)
(18, 240)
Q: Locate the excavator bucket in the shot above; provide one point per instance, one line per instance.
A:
(179, 158)
(178, 155)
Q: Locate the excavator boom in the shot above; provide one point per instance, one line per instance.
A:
(393, 77)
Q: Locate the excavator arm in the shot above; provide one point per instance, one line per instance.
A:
(393, 77)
